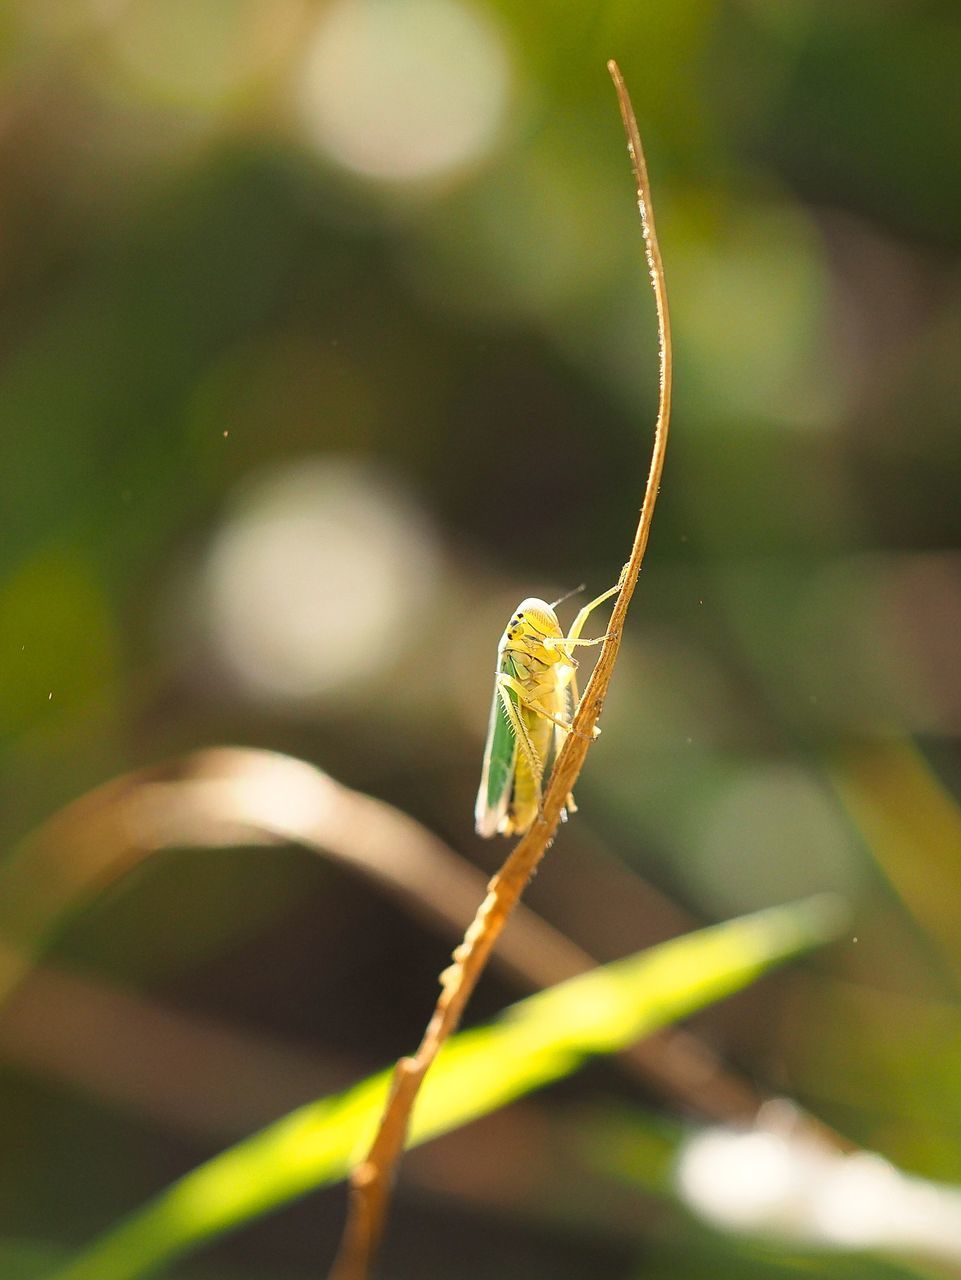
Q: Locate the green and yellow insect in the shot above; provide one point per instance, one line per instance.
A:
(535, 697)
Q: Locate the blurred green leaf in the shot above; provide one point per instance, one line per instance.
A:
(537, 1041)
(57, 629)
(30, 1259)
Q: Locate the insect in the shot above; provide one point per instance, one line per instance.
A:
(535, 696)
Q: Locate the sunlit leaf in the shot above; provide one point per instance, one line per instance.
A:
(537, 1041)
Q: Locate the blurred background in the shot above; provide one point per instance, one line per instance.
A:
(325, 337)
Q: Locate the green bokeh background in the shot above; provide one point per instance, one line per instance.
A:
(211, 325)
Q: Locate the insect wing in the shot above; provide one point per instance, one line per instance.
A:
(500, 761)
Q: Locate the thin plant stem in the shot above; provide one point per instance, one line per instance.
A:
(372, 1179)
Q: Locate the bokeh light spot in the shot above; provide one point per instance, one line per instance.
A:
(404, 90)
(316, 582)
(200, 56)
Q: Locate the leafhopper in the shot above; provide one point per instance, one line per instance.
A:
(535, 697)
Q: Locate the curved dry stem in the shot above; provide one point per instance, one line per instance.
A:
(241, 796)
(371, 1181)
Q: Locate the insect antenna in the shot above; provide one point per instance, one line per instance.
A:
(575, 592)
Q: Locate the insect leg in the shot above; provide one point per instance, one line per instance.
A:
(524, 743)
(574, 698)
(532, 704)
(574, 635)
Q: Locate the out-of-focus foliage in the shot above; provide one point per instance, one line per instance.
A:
(540, 1040)
(324, 339)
